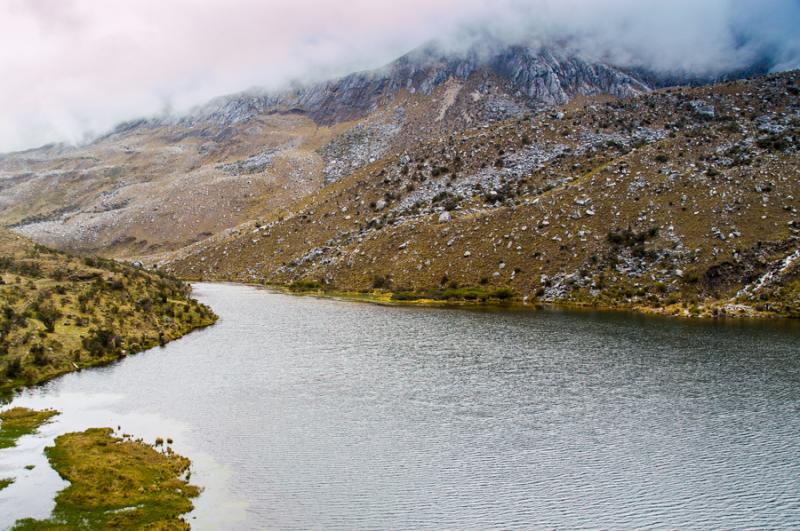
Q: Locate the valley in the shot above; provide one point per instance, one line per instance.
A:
(508, 264)
(554, 180)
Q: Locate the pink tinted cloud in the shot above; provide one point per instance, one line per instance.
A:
(75, 67)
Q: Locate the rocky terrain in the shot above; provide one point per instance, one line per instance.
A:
(681, 201)
(501, 172)
(154, 186)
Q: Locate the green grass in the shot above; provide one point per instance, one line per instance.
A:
(19, 421)
(470, 294)
(116, 484)
(61, 313)
(305, 285)
(5, 482)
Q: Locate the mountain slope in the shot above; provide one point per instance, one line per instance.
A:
(154, 186)
(683, 201)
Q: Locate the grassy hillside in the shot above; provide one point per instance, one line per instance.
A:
(683, 201)
(60, 313)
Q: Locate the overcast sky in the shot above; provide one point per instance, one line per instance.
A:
(73, 68)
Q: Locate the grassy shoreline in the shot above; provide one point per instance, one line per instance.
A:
(7, 389)
(116, 483)
(61, 313)
(19, 421)
(385, 298)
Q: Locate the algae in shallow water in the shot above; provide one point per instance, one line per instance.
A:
(116, 484)
(19, 421)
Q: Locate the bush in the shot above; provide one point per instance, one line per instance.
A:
(406, 296)
(630, 238)
(502, 294)
(40, 359)
(381, 282)
(13, 368)
(48, 315)
(102, 341)
(305, 285)
(691, 278)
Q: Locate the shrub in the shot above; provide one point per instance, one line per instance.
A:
(40, 359)
(691, 278)
(630, 238)
(381, 282)
(502, 294)
(13, 368)
(406, 296)
(48, 315)
(305, 285)
(101, 341)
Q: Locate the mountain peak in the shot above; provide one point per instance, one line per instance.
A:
(531, 76)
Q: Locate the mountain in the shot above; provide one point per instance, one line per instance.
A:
(520, 172)
(681, 201)
(153, 186)
(525, 76)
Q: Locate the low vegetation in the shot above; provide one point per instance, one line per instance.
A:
(20, 421)
(116, 483)
(470, 294)
(60, 313)
(305, 285)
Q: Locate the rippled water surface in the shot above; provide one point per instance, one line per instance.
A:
(307, 413)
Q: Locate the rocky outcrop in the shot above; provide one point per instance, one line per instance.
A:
(534, 76)
(681, 201)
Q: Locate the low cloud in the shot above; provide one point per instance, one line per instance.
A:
(74, 68)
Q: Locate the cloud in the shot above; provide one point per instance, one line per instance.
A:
(73, 68)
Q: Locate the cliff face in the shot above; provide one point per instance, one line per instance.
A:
(532, 77)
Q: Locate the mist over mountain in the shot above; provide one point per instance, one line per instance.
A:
(156, 60)
(308, 167)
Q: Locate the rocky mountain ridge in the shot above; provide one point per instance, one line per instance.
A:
(155, 185)
(535, 77)
(679, 201)
(396, 179)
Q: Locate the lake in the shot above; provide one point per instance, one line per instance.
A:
(301, 412)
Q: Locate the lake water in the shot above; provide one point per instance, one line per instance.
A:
(306, 413)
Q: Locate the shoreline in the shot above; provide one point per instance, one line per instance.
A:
(384, 298)
(8, 393)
